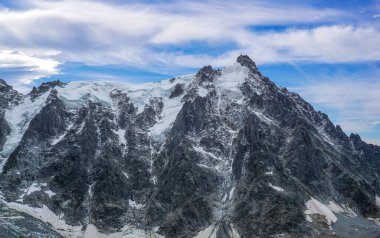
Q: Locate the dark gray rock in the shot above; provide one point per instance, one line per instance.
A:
(44, 87)
(244, 60)
(4, 129)
(178, 90)
(8, 96)
(207, 74)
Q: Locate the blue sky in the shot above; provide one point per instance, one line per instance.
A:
(328, 51)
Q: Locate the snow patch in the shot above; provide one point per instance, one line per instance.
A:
(232, 77)
(316, 207)
(92, 232)
(375, 220)
(169, 114)
(50, 193)
(202, 151)
(121, 134)
(135, 205)
(276, 187)
(262, 116)
(133, 232)
(59, 138)
(377, 200)
(211, 232)
(33, 188)
(205, 166)
(232, 191)
(46, 215)
(202, 92)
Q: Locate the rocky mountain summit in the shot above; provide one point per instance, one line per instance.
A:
(222, 153)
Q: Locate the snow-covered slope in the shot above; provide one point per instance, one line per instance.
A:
(76, 94)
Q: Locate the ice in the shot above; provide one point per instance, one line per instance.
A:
(377, 200)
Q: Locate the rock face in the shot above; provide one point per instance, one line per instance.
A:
(8, 96)
(222, 153)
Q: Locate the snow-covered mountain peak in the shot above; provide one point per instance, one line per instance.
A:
(244, 60)
(220, 153)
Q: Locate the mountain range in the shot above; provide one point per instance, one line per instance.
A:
(223, 153)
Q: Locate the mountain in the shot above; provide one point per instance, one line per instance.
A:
(222, 153)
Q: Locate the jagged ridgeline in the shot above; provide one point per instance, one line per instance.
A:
(222, 153)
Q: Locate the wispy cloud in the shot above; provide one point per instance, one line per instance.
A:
(98, 33)
(25, 68)
(352, 101)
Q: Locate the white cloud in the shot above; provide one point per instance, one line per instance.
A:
(25, 68)
(140, 35)
(353, 103)
(325, 44)
(99, 33)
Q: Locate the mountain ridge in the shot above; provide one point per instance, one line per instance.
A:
(221, 153)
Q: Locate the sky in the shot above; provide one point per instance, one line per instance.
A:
(327, 51)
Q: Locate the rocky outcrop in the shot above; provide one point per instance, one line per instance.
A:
(44, 87)
(8, 96)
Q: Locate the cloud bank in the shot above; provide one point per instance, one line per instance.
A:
(152, 35)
